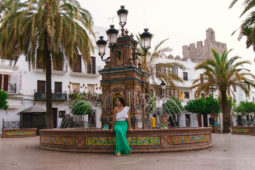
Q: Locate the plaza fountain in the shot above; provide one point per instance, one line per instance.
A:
(122, 76)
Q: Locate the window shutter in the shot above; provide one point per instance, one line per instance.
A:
(93, 65)
(1, 81)
(41, 86)
(5, 83)
(58, 87)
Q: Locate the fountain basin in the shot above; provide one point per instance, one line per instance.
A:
(144, 140)
(243, 130)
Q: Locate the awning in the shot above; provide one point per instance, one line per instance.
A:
(33, 109)
(6, 71)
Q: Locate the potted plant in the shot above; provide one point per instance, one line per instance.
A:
(80, 107)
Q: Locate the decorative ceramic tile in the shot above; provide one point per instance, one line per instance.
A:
(144, 140)
(108, 141)
(58, 140)
(240, 130)
(20, 133)
(100, 141)
(189, 139)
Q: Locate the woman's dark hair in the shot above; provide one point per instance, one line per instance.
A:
(122, 101)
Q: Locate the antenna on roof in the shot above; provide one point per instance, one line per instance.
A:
(112, 18)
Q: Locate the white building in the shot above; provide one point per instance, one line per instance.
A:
(192, 55)
(26, 87)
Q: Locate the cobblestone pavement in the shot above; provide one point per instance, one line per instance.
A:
(229, 152)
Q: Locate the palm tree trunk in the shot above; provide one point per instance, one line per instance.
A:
(47, 61)
(205, 120)
(199, 119)
(226, 115)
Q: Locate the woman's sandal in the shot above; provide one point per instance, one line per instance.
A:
(118, 154)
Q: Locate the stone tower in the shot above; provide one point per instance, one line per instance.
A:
(202, 51)
(121, 77)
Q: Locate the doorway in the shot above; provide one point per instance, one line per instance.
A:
(187, 120)
(55, 116)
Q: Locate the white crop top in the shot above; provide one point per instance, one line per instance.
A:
(123, 115)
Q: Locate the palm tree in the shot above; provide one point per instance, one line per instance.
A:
(247, 27)
(223, 73)
(47, 30)
(147, 60)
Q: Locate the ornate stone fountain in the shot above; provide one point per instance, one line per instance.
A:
(122, 77)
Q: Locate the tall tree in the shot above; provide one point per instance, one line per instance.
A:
(47, 30)
(247, 27)
(223, 73)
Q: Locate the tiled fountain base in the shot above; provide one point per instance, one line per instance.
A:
(145, 140)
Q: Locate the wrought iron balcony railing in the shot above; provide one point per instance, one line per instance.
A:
(55, 96)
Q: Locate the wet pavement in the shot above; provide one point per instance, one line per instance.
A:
(229, 152)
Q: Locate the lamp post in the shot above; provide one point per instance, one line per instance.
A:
(212, 88)
(122, 14)
(163, 87)
(112, 36)
(146, 40)
(122, 69)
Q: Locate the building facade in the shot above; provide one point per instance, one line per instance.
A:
(26, 86)
(192, 55)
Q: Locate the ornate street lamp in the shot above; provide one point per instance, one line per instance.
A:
(146, 39)
(112, 35)
(101, 43)
(122, 13)
(163, 87)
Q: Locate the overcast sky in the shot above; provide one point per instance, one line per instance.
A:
(182, 21)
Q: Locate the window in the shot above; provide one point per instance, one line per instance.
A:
(58, 87)
(41, 86)
(168, 92)
(185, 76)
(91, 88)
(186, 95)
(201, 78)
(39, 63)
(187, 120)
(77, 64)
(157, 70)
(76, 87)
(57, 65)
(175, 70)
(4, 80)
(91, 69)
(234, 87)
(61, 113)
(1, 81)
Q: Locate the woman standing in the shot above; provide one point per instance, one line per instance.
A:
(121, 122)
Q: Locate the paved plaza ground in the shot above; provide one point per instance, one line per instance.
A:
(229, 152)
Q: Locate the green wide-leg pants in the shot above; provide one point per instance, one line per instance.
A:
(120, 128)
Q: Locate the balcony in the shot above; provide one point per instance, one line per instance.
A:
(86, 74)
(55, 96)
(55, 71)
(12, 88)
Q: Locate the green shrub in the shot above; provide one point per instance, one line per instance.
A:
(3, 100)
(81, 106)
